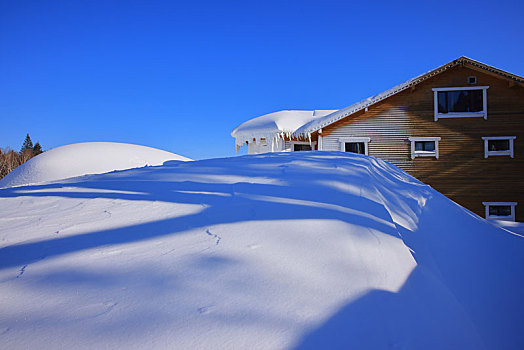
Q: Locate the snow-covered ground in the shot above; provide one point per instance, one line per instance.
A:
(305, 250)
(85, 158)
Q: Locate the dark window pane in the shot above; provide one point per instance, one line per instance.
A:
(442, 102)
(428, 146)
(355, 147)
(460, 101)
(498, 145)
(500, 210)
(301, 147)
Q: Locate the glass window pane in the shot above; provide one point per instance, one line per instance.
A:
(499, 210)
(355, 147)
(301, 147)
(442, 102)
(498, 145)
(477, 104)
(460, 101)
(428, 146)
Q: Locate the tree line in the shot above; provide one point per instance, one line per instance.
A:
(10, 159)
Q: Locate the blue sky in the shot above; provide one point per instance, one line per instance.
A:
(181, 75)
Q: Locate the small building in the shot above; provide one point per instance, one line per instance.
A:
(456, 128)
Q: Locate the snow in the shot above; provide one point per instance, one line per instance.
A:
(515, 227)
(301, 250)
(85, 158)
(275, 124)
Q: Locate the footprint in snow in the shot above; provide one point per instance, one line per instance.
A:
(205, 309)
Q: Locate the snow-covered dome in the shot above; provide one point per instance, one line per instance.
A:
(85, 158)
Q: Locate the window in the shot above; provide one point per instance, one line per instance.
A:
(298, 146)
(301, 147)
(424, 147)
(500, 210)
(354, 144)
(459, 102)
(498, 146)
(355, 147)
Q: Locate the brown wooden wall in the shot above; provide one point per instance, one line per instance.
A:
(461, 172)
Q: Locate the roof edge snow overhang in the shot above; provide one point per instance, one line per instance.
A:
(316, 125)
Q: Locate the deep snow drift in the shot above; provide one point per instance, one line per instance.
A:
(304, 250)
(85, 158)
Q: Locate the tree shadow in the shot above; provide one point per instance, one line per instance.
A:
(285, 192)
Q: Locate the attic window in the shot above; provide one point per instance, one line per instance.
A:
(472, 80)
(460, 102)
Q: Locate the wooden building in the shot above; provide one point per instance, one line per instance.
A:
(458, 128)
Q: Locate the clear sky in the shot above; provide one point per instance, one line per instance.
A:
(180, 75)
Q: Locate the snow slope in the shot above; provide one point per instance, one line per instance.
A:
(85, 158)
(304, 250)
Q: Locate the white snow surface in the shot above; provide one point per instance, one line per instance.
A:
(275, 124)
(301, 250)
(85, 158)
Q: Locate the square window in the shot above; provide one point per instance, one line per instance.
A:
(355, 144)
(500, 210)
(355, 147)
(498, 146)
(424, 147)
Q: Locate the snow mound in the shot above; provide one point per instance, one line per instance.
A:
(299, 250)
(85, 158)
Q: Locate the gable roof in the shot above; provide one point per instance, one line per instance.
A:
(319, 123)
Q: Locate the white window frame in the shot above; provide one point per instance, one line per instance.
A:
(483, 114)
(488, 153)
(415, 153)
(293, 143)
(343, 141)
(496, 217)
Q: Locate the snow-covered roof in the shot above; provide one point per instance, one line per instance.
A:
(319, 123)
(304, 123)
(273, 124)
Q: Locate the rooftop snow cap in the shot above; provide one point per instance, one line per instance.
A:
(274, 125)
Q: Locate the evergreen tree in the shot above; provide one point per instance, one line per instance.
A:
(37, 149)
(28, 144)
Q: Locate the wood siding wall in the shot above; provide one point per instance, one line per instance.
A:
(461, 172)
